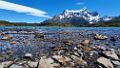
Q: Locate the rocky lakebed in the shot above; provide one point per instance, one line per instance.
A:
(59, 47)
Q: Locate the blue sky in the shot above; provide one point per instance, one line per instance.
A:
(39, 10)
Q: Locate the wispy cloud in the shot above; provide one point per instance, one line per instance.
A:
(22, 9)
(79, 3)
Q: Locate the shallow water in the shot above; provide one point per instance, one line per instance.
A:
(27, 43)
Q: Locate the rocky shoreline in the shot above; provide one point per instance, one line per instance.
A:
(36, 49)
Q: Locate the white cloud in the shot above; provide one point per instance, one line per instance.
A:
(79, 3)
(22, 9)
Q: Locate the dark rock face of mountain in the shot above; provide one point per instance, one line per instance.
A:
(75, 17)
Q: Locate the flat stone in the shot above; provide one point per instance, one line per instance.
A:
(111, 54)
(78, 60)
(116, 62)
(46, 63)
(60, 59)
(106, 62)
(32, 64)
(6, 64)
(16, 66)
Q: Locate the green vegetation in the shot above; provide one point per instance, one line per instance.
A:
(113, 23)
(57, 24)
(7, 23)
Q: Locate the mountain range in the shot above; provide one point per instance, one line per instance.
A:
(82, 16)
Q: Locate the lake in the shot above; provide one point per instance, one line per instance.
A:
(26, 42)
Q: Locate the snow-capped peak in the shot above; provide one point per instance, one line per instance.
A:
(75, 11)
(107, 18)
(91, 17)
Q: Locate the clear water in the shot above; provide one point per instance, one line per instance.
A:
(38, 47)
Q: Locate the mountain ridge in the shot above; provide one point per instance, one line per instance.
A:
(76, 16)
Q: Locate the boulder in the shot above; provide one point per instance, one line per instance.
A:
(106, 62)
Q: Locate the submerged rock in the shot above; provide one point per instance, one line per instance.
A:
(85, 42)
(6, 37)
(9, 52)
(58, 48)
(68, 42)
(113, 39)
(86, 49)
(13, 42)
(39, 35)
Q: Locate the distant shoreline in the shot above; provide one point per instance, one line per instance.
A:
(105, 24)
